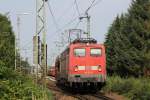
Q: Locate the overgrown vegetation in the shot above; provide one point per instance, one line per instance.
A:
(7, 42)
(128, 52)
(128, 41)
(133, 88)
(15, 85)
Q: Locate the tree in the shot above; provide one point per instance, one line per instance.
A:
(7, 42)
(128, 41)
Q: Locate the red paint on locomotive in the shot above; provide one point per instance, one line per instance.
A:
(82, 62)
(88, 61)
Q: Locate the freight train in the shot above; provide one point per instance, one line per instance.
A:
(82, 64)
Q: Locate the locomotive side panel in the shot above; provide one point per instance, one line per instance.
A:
(57, 68)
(62, 72)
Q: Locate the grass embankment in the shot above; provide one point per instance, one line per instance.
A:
(133, 88)
(15, 86)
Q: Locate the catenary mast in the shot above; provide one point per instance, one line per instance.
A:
(40, 47)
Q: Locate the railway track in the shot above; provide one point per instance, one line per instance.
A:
(81, 97)
(61, 92)
(102, 96)
(92, 97)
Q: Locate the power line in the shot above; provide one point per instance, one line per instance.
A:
(77, 7)
(90, 6)
(96, 3)
(58, 29)
(27, 44)
(89, 1)
(93, 4)
(69, 23)
(68, 9)
(65, 11)
(76, 26)
(53, 17)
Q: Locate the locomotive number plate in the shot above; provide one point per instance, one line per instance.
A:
(88, 72)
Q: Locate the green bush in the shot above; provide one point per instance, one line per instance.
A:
(133, 88)
(16, 86)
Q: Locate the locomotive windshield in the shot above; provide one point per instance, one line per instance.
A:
(96, 52)
(79, 52)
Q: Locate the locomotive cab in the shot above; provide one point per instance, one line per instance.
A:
(87, 62)
(83, 63)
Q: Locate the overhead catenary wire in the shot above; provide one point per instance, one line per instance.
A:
(67, 10)
(53, 17)
(90, 6)
(96, 3)
(93, 4)
(67, 24)
(59, 29)
(72, 20)
(27, 45)
(77, 7)
(76, 26)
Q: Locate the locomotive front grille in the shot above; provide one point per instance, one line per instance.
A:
(86, 78)
(77, 76)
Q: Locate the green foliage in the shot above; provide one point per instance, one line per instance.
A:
(7, 43)
(14, 85)
(128, 41)
(134, 89)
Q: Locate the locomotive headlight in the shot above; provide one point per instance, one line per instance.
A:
(76, 68)
(81, 67)
(94, 67)
(99, 68)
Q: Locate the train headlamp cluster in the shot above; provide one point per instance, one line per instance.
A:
(76, 68)
(99, 68)
(79, 68)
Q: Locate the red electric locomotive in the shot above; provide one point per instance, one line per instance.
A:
(82, 64)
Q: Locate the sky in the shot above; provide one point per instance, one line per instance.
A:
(102, 16)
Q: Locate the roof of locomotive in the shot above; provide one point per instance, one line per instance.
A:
(79, 41)
(84, 40)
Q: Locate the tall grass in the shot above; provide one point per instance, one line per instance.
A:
(16, 86)
(133, 88)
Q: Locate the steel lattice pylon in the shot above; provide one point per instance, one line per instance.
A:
(40, 16)
(40, 53)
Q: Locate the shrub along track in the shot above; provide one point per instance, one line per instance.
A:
(62, 94)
